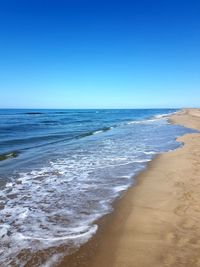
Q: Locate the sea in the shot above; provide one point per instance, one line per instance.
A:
(61, 170)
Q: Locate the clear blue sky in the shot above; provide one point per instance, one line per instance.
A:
(99, 54)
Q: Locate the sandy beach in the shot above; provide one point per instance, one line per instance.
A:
(156, 223)
(100, 133)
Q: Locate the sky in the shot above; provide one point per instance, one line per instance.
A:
(99, 54)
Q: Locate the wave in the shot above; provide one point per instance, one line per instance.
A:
(33, 113)
(9, 155)
(32, 139)
(142, 121)
(104, 129)
(160, 116)
(49, 122)
(40, 141)
(152, 119)
(60, 112)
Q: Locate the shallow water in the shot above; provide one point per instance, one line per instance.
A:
(67, 169)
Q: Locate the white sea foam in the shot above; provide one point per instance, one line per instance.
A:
(149, 152)
(166, 115)
(97, 132)
(9, 184)
(118, 189)
(84, 235)
(147, 121)
(153, 119)
(53, 260)
(36, 206)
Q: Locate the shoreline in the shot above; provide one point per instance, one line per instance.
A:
(152, 224)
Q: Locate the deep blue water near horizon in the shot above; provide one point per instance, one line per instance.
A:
(61, 170)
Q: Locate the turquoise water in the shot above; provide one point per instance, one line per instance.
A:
(61, 170)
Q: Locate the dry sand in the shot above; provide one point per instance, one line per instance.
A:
(157, 222)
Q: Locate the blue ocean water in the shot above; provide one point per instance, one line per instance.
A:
(61, 170)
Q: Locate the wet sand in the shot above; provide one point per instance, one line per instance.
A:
(156, 223)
